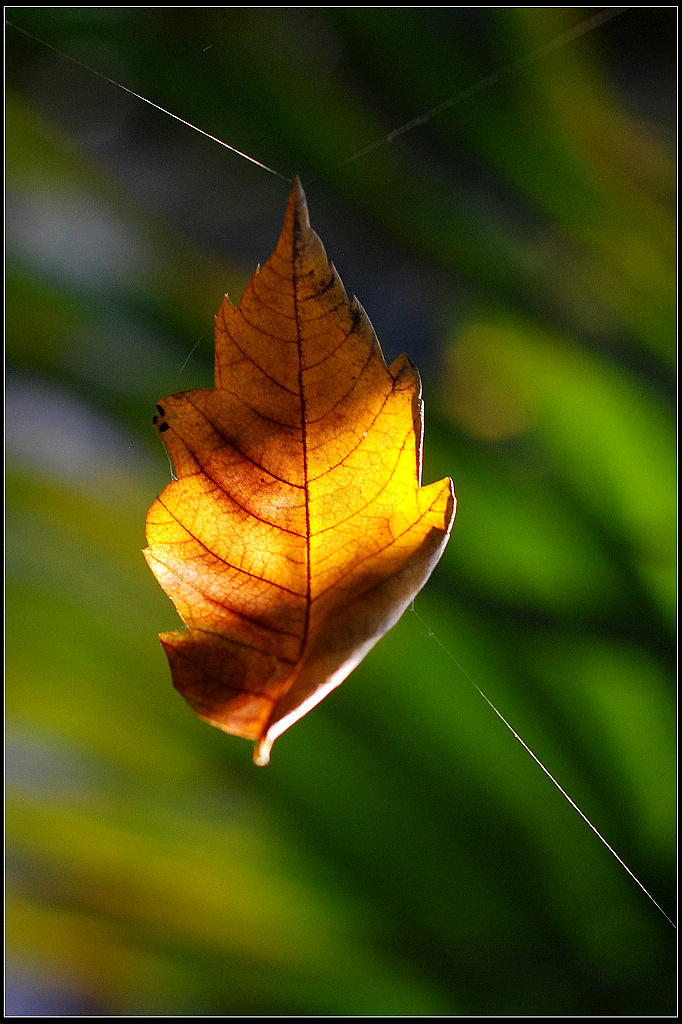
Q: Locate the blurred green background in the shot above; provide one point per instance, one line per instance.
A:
(402, 854)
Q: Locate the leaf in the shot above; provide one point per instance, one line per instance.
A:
(296, 532)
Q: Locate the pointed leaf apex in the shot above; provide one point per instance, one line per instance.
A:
(297, 206)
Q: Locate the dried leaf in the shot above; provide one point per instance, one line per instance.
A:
(296, 533)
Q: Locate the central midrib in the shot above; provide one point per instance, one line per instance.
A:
(304, 439)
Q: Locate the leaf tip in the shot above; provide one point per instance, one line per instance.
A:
(261, 752)
(298, 204)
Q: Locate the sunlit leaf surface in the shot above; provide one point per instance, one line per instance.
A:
(297, 532)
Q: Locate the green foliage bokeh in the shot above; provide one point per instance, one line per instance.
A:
(402, 854)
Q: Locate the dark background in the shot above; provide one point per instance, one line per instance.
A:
(402, 854)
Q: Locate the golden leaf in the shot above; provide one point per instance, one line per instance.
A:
(296, 532)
